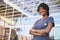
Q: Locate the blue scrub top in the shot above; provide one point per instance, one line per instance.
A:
(42, 24)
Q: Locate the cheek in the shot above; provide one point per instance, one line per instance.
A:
(42, 12)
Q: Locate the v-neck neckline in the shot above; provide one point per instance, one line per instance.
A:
(43, 18)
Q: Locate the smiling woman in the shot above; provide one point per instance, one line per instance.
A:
(43, 26)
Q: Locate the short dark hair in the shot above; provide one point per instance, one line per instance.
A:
(45, 6)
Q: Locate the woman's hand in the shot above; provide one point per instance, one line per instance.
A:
(33, 30)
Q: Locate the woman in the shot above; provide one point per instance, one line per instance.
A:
(43, 26)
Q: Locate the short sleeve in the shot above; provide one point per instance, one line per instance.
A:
(51, 20)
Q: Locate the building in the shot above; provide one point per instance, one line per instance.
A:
(22, 14)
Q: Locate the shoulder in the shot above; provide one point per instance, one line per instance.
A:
(50, 18)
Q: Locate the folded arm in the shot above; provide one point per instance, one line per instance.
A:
(42, 32)
(35, 33)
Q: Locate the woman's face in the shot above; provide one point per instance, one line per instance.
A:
(42, 11)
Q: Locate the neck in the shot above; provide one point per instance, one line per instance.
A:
(45, 16)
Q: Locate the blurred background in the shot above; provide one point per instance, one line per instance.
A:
(18, 16)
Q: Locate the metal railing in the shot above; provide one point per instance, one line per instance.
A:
(29, 8)
(20, 6)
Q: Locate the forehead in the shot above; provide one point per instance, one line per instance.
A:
(41, 8)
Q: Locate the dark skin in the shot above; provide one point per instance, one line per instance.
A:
(42, 32)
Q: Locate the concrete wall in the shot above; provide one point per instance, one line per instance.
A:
(1, 0)
(59, 2)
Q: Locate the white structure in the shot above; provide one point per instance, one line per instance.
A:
(29, 8)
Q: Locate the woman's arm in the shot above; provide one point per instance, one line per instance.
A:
(46, 30)
(42, 31)
(33, 32)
